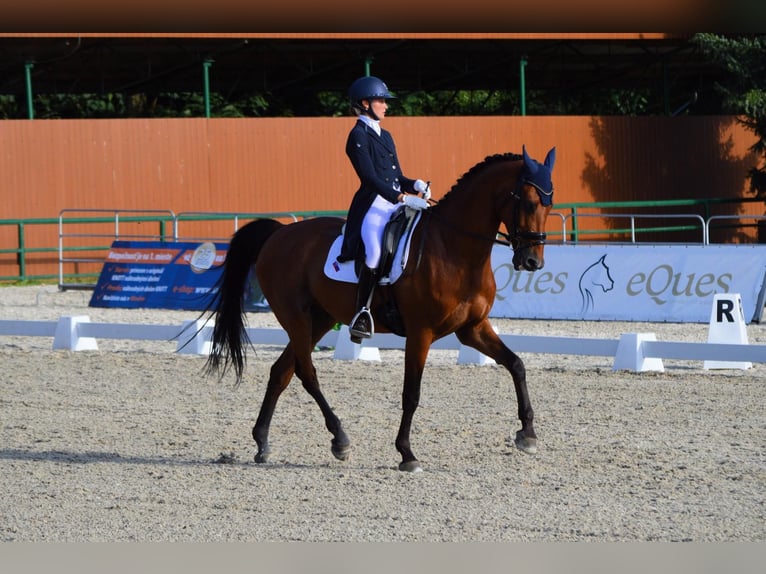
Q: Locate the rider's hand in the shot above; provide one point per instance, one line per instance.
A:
(415, 202)
(423, 188)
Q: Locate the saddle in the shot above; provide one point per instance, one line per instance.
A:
(399, 226)
(397, 235)
(395, 247)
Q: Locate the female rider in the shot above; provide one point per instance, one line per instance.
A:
(383, 187)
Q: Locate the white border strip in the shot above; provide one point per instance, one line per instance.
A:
(636, 352)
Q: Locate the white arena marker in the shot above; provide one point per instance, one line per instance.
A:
(345, 350)
(68, 338)
(727, 325)
(192, 339)
(630, 354)
(469, 356)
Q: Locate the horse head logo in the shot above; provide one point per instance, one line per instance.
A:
(594, 278)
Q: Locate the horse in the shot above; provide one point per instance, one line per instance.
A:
(449, 287)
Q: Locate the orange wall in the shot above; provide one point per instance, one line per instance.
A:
(299, 164)
(276, 164)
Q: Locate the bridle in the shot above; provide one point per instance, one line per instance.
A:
(516, 238)
(532, 238)
(513, 240)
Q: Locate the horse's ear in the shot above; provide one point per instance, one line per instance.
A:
(528, 161)
(550, 159)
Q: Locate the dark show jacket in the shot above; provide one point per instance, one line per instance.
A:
(377, 165)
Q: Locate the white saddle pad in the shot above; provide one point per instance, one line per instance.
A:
(345, 271)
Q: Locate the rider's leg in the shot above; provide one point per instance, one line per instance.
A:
(362, 325)
(373, 225)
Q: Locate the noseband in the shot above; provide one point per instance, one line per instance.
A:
(532, 238)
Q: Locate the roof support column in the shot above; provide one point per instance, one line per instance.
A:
(665, 92)
(522, 86)
(206, 76)
(28, 81)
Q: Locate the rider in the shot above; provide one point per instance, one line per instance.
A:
(383, 187)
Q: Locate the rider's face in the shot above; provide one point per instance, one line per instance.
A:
(379, 107)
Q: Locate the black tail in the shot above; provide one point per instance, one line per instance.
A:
(229, 335)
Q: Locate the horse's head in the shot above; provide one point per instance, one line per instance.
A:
(525, 222)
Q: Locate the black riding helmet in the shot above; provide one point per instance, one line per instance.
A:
(367, 88)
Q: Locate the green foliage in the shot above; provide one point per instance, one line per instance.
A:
(333, 104)
(114, 105)
(457, 103)
(8, 107)
(57, 106)
(744, 91)
(329, 104)
(605, 102)
(496, 103)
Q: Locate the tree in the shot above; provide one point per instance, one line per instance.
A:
(744, 91)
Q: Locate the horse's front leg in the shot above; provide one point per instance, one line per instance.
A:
(483, 338)
(414, 360)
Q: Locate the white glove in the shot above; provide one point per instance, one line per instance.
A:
(422, 187)
(415, 202)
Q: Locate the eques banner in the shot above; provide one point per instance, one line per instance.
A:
(159, 275)
(658, 283)
(664, 283)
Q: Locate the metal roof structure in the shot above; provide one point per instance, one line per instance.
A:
(294, 67)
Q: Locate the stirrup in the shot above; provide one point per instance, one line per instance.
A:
(361, 326)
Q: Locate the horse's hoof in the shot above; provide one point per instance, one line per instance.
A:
(411, 466)
(341, 452)
(525, 444)
(261, 457)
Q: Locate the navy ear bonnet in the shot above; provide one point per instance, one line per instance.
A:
(539, 174)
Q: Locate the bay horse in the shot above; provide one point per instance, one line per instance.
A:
(449, 287)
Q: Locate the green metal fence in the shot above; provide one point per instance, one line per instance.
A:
(85, 236)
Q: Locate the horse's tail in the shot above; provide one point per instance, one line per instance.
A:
(229, 335)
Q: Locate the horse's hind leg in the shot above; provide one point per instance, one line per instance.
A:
(279, 377)
(340, 445)
(296, 359)
(483, 338)
(305, 371)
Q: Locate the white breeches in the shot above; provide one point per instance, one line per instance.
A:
(373, 225)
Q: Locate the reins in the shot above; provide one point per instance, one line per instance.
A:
(511, 240)
(447, 223)
(515, 238)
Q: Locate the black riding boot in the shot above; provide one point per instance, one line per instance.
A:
(361, 325)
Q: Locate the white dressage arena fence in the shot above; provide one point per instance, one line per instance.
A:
(632, 351)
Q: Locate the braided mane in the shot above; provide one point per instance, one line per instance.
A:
(490, 159)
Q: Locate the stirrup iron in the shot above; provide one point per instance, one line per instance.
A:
(362, 326)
